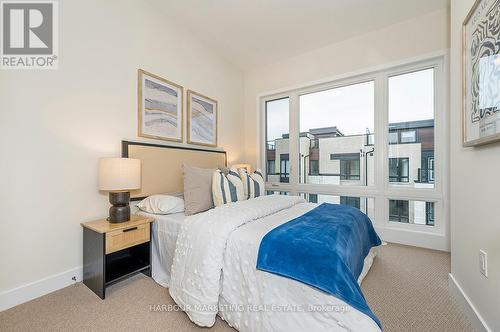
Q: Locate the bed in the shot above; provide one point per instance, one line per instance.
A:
(162, 174)
(165, 229)
(211, 269)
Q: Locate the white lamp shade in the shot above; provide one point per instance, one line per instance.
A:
(248, 167)
(117, 174)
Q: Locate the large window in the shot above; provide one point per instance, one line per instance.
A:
(411, 119)
(336, 133)
(277, 124)
(374, 141)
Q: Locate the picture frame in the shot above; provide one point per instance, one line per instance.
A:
(481, 74)
(202, 119)
(160, 108)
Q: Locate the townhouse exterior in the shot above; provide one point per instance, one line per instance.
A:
(329, 157)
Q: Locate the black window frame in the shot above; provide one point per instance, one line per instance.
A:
(284, 175)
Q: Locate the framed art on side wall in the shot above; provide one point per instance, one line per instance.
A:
(159, 108)
(202, 119)
(481, 73)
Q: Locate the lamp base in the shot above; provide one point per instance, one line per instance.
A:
(120, 209)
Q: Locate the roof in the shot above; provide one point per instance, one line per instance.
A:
(412, 124)
(326, 130)
(392, 126)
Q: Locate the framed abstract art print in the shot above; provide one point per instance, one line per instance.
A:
(202, 119)
(481, 74)
(160, 108)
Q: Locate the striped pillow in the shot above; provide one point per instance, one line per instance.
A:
(253, 184)
(227, 188)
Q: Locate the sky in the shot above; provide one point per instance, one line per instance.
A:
(351, 108)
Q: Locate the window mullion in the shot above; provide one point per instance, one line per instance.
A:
(381, 125)
(294, 140)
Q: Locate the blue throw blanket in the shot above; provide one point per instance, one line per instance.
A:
(324, 248)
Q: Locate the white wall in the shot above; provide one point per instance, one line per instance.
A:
(54, 125)
(418, 36)
(475, 188)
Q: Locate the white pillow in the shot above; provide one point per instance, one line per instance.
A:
(161, 204)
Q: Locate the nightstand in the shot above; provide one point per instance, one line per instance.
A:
(115, 251)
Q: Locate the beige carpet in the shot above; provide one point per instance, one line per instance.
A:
(406, 288)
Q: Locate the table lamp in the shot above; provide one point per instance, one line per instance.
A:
(119, 176)
(248, 167)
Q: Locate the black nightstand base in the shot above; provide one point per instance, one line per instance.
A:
(101, 270)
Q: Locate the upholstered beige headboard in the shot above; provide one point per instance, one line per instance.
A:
(162, 165)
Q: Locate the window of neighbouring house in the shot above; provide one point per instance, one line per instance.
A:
(271, 167)
(412, 212)
(393, 138)
(338, 121)
(398, 169)
(409, 136)
(429, 213)
(284, 168)
(349, 165)
(399, 211)
(351, 201)
(314, 167)
(349, 169)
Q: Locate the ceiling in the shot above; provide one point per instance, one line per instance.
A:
(251, 33)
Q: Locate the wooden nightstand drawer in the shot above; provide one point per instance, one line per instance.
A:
(124, 238)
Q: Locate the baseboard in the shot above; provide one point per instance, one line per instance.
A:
(413, 238)
(25, 293)
(470, 311)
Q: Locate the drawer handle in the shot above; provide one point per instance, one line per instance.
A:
(130, 229)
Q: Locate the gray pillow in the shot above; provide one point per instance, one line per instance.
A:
(197, 189)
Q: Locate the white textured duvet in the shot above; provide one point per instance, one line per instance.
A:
(214, 272)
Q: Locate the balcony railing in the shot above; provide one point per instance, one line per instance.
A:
(425, 175)
(284, 177)
(270, 146)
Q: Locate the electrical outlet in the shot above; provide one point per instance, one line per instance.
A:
(483, 263)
